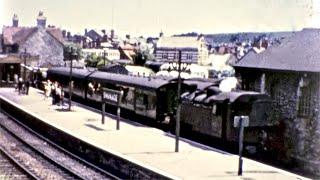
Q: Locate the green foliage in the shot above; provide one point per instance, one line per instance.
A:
(71, 51)
(91, 60)
(95, 61)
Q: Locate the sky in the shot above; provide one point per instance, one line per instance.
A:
(150, 17)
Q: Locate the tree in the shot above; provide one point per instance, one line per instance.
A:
(91, 60)
(71, 51)
(140, 58)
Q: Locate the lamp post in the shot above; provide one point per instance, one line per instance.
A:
(104, 58)
(25, 55)
(71, 54)
(179, 103)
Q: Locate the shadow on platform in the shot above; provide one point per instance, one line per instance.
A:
(164, 152)
(94, 127)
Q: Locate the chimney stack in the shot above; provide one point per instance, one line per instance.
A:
(161, 34)
(41, 20)
(15, 20)
(68, 35)
(64, 33)
(112, 33)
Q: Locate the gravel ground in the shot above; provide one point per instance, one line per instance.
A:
(41, 145)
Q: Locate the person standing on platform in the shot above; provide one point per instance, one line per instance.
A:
(16, 81)
(58, 95)
(62, 97)
(53, 93)
(20, 85)
(47, 89)
(27, 87)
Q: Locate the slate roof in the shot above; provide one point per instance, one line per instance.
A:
(245, 36)
(18, 35)
(64, 71)
(299, 52)
(178, 42)
(135, 81)
(114, 68)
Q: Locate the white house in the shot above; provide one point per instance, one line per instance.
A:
(108, 53)
(193, 49)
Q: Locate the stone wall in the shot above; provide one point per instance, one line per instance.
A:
(302, 135)
(41, 43)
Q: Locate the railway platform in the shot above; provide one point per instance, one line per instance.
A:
(149, 147)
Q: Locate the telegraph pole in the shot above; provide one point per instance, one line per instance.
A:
(25, 55)
(179, 104)
(104, 58)
(70, 78)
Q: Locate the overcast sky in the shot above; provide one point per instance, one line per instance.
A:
(149, 17)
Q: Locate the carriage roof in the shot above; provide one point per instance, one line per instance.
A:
(65, 71)
(147, 83)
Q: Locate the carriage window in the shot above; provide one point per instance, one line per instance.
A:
(140, 99)
(128, 96)
(305, 102)
(151, 102)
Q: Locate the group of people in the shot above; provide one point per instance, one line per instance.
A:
(21, 85)
(54, 90)
(93, 88)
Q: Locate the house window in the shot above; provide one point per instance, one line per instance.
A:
(164, 56)
(305, 102)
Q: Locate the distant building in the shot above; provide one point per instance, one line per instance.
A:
(290, 73)
(127, 51)
(193, 50)
(95, 38)
(108, 53)
(44, 42)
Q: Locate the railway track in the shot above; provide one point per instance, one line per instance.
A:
(12, 169)
(42, 157)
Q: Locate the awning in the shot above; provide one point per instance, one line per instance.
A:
(6, 59)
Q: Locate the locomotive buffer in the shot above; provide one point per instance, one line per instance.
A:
(240, 122)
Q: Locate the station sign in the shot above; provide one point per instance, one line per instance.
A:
(111, 96)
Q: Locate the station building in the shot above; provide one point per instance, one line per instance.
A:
(290, 73)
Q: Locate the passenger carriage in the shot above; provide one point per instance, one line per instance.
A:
(149, 97)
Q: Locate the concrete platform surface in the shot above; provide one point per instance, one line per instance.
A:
(143, 145)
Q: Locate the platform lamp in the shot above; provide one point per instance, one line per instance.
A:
(179, 100)
(71, 55)
(25, 55)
